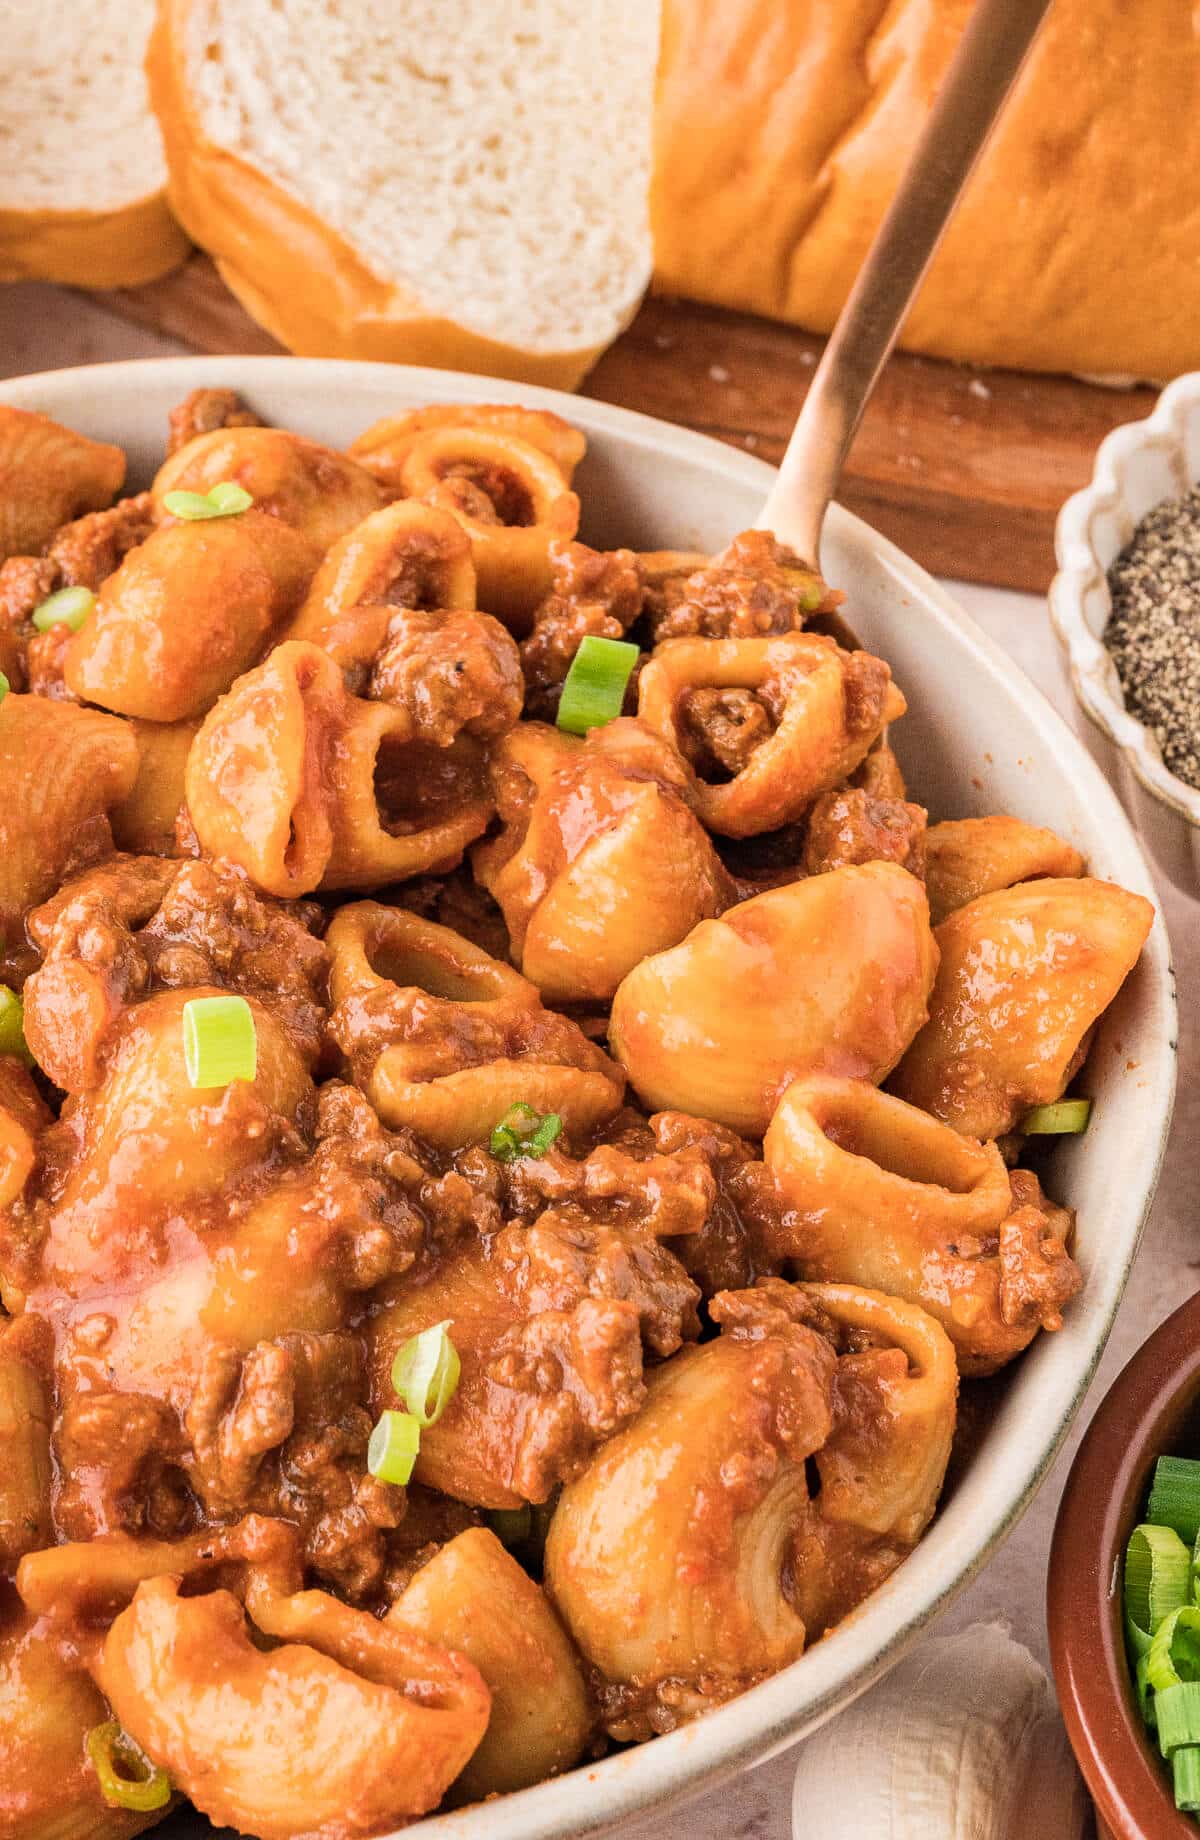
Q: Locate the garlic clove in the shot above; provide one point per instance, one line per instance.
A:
(961, 1741)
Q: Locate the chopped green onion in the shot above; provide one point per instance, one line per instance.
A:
(1177, 1712)
(513, 1526)
(1158, 1569)
(505, 1137)
(1185, 1769)
(127, 1777)
(1147, 1698)
(12, 1025)
(1137, 1637)
(544, 1136)
(1175, 1496)
(224, 500)
(812, 597)
(1066, 1119)
(393, 1448)
(595, 686)
(5, 686)
(426, 1372)
(524, 1132)
(189, 505)
(219, 1041)
(1175, 1650)
(68, 607)
(230, 498)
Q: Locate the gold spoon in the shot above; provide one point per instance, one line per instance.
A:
(981, 74)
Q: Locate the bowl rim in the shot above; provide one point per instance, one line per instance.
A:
(1080, 573)
(1138, 1420)
(771, 1716)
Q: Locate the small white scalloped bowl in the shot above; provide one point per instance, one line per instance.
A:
(1137, 468)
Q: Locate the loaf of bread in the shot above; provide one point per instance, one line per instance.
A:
(470, 185)
(82, 178)
(461, 184)
(783, 126)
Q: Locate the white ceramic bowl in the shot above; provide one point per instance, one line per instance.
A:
(1137, 467)
(979, 738)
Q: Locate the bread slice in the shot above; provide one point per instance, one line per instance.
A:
(444, 182)
(82, 174)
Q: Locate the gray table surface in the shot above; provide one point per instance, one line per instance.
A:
(44, 329)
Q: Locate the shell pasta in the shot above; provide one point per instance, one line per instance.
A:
(516, 1132)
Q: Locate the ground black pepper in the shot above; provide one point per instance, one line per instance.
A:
(1153, 634)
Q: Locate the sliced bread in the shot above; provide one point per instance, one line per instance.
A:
(82, 174)
(458, 184)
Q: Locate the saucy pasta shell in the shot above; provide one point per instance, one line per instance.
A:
(829, 974)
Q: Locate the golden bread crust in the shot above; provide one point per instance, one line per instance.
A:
(783, 125)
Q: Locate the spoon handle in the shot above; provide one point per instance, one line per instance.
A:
(981, 74)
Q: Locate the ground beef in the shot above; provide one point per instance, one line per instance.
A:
(92, 964)
(91, 549)
(458, 490)
(626, 1185)
(204, 412)
(81, 554)
(1037, 1273)
(117, 1459)
(720, 1256)
(596, 592)
(721, 730)
(852, 826)
(865, 687)
(581, 1374)
(284, 1430)
(132, 925)
(211, 927)
(25, 581)
(46, 663)
(430, 1522)
(555, 1264)
(451, 672)
(754, 588)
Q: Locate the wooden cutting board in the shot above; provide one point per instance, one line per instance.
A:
(965, 470)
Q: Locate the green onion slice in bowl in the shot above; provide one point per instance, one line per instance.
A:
(126, 1775)
(425, 1373)
(524, 1132)
(1065, 1118)
(220, 1042)
(393, 1448)
(224, 500)
(594, 691)
(67, 607)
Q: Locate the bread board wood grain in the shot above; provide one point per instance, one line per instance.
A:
(965, 470)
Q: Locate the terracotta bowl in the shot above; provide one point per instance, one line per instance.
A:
(1151, 1410)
